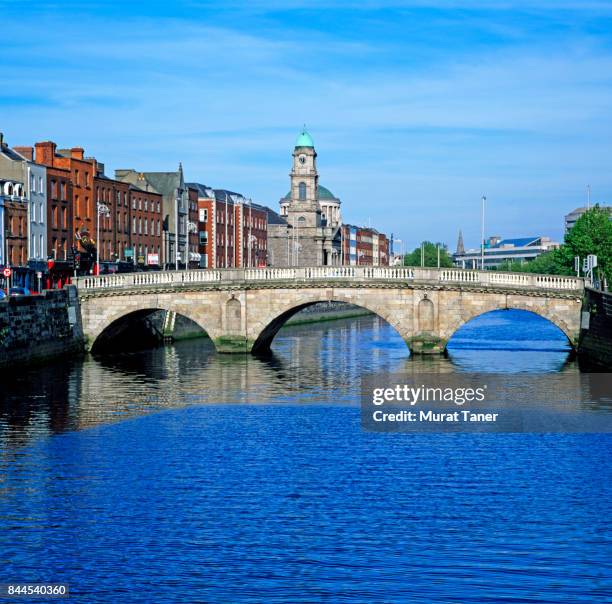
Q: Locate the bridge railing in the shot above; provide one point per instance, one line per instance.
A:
(342, 273)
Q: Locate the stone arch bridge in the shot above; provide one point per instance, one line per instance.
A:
(243, 309)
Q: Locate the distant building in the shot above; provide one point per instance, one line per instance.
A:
(498, 252)
(364, 246)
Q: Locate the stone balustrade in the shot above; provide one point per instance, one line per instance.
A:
(364, 274)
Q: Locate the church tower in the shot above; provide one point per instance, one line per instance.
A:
(303, 209)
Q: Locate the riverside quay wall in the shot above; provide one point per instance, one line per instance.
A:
(595, 344)
(35, 329)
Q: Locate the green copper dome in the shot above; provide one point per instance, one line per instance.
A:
(322, 194)
(304, 140)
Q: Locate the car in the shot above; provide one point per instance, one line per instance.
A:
(2, 294)
(19, 291)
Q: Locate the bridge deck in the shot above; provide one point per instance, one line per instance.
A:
(348, 274)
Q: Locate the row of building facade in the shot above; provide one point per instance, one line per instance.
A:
(60, 212)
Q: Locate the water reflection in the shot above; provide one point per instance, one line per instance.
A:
(321, 363)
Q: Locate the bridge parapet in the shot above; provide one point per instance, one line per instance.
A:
(347, 274)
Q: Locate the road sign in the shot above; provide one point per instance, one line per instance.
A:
(7, 272)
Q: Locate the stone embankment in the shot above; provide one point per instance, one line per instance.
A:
(36, 329)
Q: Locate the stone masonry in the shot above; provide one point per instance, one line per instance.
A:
(245, 317)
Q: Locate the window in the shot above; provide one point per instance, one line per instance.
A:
(146, 227)
(54, 189)
(302, 191)
(40, 184)
(64, 218)
(54, 216)
(41, 246)
(203, 237)
(134, 224)
(203, 215)
(158, 227)
(133, 203)
(32, 183)
(63, 187)
(146, 205)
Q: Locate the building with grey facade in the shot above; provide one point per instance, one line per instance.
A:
(307, 230)
(175, 210)
(15, 166)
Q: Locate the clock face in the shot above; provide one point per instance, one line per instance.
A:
(302, 159)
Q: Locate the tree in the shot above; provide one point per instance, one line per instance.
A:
(431, 255)
(592, 234)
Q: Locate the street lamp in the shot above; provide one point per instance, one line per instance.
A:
(482, 230)
(192, 227)
(103, 210)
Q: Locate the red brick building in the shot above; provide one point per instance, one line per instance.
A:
(15, 219)
(364, 246)
(231, 231)
(251, 235)
(144, 226)
(59, 209)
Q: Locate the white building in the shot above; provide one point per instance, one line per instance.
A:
(15, 166)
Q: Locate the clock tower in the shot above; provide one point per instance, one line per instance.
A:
(303, 208)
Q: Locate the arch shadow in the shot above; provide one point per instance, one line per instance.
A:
(142, 329)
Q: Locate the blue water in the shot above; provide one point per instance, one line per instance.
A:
(176, 475)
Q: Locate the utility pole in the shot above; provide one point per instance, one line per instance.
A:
(438, 246)
(588, 197)
(482, 231)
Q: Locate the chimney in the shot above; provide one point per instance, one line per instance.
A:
(77, 152)
(45, 152)
(27, 152)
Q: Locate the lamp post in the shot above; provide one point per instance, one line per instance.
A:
(482, 230)
(102, 210)
(192, 227)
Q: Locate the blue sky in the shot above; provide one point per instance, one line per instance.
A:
(417, 108)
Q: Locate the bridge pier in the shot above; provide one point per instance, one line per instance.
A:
(426, 344)
(230, 344)
(242, 310)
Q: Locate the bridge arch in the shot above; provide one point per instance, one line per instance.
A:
(270, 324)
(139, 309)
(542, 312)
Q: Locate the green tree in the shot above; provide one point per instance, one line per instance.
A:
(553, 262)
(431, 256)
(592, 234)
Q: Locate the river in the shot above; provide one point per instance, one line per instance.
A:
(180, 475)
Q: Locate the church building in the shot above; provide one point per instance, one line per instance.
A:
(307, 231)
